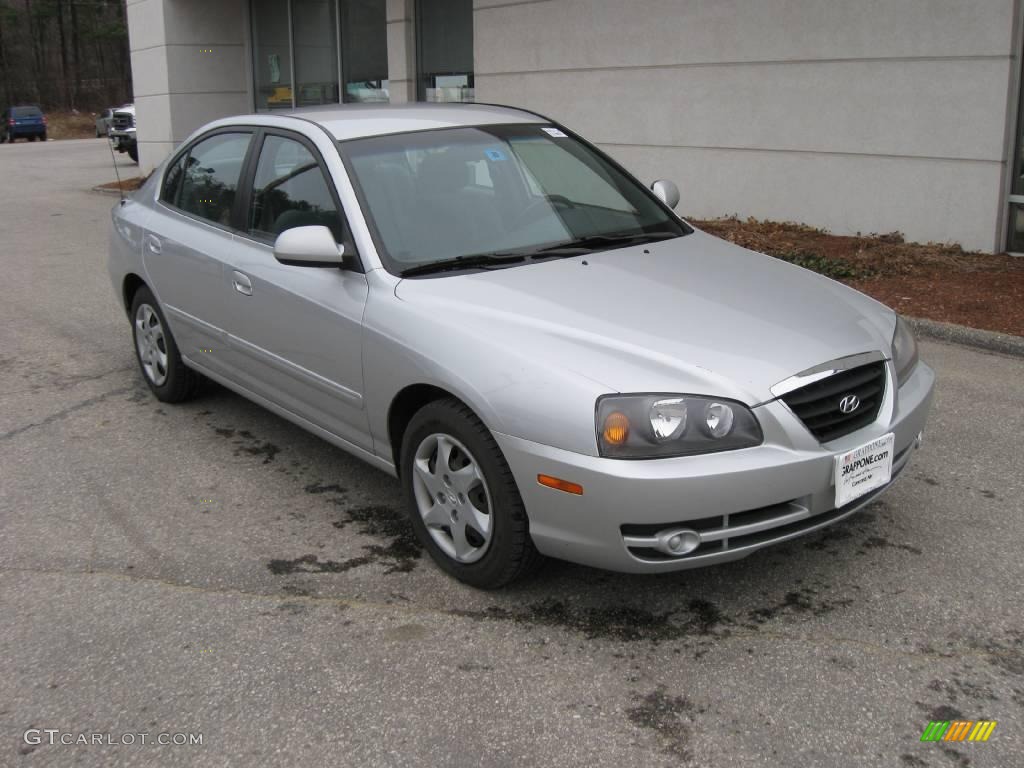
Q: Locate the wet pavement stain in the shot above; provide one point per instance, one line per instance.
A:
(824, 541)
(265, 449)
(800, 602)
(398, 555)
(617, 623)
(912, 761)
(879, 542)
(317, 488)
(312, 564)
(670, 717)
(956, 687)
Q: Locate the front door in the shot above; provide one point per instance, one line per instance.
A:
(297, 331)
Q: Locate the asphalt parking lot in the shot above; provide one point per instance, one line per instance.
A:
(211, 569)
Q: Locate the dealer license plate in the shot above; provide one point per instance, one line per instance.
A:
(864, 469)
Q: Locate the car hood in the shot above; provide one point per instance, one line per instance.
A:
(694, 314)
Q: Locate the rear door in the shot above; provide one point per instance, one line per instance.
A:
(188, 242)
(297, 330)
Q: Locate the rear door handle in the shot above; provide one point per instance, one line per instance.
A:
(153, 243)
(242, 283)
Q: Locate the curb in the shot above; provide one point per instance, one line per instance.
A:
(971, 337)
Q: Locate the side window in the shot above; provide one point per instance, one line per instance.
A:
(172, 181)
(210, 178)
(290, 191)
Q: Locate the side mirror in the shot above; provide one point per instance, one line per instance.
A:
(311, 246)
(666, 191)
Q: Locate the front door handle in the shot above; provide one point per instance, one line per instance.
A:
(242, 283)
(153, 243)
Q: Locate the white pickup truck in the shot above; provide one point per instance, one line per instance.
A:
(122, 131)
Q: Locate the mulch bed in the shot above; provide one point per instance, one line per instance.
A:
(932, 281)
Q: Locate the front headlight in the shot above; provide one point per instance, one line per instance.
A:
(904, 351)
(659, 426)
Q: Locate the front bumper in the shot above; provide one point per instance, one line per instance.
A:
(740, 501)
(122, 139)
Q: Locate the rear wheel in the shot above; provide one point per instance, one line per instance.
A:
(162, 367)
(462, 498)
(133, 152)
(42, 137)
(32, 137)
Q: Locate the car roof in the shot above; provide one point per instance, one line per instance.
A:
(351, 121)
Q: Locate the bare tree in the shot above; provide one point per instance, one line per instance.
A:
(64, 54)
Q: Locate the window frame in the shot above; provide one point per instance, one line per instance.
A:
(249, 176)
(185, 151)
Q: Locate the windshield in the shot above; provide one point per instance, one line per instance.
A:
(459, 193)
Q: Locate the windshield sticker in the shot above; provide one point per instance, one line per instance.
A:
(494, 154)
(554, 132)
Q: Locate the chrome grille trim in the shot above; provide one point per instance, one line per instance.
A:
(817, 404)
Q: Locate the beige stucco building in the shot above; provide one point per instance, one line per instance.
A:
(856, 116)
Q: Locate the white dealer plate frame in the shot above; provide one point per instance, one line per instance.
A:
(870, 467)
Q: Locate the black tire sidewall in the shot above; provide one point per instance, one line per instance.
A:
(176, 385)
(498, 566)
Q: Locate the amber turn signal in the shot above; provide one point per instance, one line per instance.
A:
(616, 428)
(560, 485)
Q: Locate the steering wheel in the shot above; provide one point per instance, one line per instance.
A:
(537, 208)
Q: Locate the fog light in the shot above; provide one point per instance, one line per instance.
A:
(678, 542)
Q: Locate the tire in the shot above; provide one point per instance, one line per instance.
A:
(97, 133)
(489, 559)
(133, 152)
(42, 137)
(168, 377)
(33, 137)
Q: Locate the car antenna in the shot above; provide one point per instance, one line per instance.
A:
(117, 175)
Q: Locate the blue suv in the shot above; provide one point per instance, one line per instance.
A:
(22, 122)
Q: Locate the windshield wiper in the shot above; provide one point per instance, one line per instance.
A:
(483, 260)
(592, 242)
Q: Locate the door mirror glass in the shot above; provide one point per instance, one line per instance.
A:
(311, 246)
(666, 191)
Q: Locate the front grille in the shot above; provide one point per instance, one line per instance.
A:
(817, 404)
(123, 120)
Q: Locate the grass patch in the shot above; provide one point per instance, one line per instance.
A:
(837, 269)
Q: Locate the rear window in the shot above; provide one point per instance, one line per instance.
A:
(26, 112)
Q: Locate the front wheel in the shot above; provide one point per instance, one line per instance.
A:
(462, 498)
(155, 349)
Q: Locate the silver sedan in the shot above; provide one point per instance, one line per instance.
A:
(476, 300)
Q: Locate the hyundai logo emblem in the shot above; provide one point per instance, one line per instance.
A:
(849, 404)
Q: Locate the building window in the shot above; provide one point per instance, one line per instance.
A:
(315, 46)
(272, 57)
(444, 44)
(364, 50)
(297, 60)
